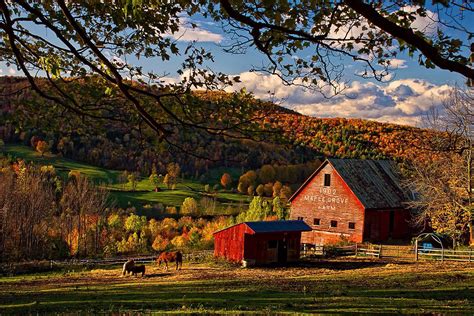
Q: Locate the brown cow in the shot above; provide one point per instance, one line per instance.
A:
(170, 256)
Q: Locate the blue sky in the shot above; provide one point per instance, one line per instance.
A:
(407, 93)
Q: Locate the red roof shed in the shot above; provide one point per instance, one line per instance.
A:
(260, 242)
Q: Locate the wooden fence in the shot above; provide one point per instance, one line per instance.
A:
(445, 254)
(409, 253)
(191, 256)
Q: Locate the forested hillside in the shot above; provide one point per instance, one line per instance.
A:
(280, 136)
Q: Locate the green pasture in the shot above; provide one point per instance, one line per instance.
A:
(144, 194)
(63, 165)
(322, 287)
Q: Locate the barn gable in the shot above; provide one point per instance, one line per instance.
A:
(374, 182)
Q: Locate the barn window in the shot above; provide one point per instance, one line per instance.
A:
(300, 218)
(317, 221)
(352, 225)
(272, 244)
(327, 180)
(333, 223)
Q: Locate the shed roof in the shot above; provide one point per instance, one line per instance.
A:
(278, 226)
(374, 182)
(274, 226)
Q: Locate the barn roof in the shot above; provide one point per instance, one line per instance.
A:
(278, 226)
(374, 182)
(274, 226)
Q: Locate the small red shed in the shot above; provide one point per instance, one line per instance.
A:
(260, 243)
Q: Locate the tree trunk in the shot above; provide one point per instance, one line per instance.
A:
(469, 194)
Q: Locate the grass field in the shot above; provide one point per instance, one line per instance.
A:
(337, 287)
(63, 165)
(122, 194)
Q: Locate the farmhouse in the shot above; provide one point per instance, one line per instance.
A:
(352, 199)
(260, 242)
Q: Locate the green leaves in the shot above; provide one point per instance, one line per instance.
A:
(51, 66)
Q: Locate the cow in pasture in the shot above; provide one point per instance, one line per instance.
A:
(170, 256)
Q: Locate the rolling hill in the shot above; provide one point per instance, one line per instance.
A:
(143, 198)
(290, 137)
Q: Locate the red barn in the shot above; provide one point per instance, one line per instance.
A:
(352, 199)
(260, 242)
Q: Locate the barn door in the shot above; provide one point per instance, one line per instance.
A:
(282, 251)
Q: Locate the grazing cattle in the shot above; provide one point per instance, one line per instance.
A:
(166, 257)
(138, 269)
(128, 266)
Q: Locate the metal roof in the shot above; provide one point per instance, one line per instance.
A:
(374, 182)
(274, 226)
(278, 226)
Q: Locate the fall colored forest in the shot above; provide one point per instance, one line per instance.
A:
(277, 136)
(281, 148)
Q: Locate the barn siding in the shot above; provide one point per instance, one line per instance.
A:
(377, 225)
(256, 247)
(336, 202)
(239, 242)
(229, 243)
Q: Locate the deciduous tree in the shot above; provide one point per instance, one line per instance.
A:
(155, 181)
(42, 147)
(443, 182)
(189, 207)
(226, 180)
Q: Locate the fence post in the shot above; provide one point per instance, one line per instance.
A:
(416, 249)
(470, 254)
(442, 254)
(380, 251)
(356, 250)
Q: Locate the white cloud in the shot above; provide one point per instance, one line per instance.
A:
(403, 101)
(11, 71)
(396, 63)
(189, 33)
(426, 24)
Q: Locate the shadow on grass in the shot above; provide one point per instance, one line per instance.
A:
(236, 297)
(329, 265)
(157, 275)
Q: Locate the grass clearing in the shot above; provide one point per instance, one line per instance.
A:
(345, 287)
(63, 165)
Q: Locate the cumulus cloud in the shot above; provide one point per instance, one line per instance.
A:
(426, 24)
(402, 101)
(396, 63)
(189, 32)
